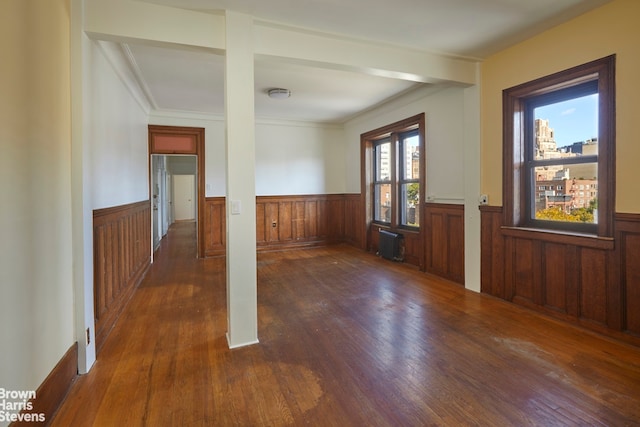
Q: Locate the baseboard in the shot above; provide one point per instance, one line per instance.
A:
(54, 389)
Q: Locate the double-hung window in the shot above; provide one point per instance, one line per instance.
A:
(394, 177)
(560, 140)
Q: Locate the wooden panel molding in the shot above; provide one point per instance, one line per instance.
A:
(628, 269)
(354, 222)
(289, 221)
(122, 254)
(54, 389)
(215, 228)
(293, 221)
(582, 281)
(444, 240)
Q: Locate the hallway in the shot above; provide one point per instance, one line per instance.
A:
(346, 339)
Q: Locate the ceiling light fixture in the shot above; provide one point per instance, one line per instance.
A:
(279, 93)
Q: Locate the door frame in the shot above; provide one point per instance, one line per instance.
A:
(183, 140)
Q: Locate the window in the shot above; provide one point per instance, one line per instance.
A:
(393, 160)
(545, 145)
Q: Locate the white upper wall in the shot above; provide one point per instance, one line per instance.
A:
(295, 159)
(291, 157)
(118, 133)
(444, 115)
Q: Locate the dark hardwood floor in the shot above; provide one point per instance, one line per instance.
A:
(346, 339)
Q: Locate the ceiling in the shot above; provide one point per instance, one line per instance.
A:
(193, 81)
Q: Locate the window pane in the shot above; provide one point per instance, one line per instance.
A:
(382, 203)
(383, 161)
(409, 208)
(411, 157)
(566, 193)
(566, 129)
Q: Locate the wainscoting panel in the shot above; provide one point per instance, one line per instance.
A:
(444, 240)
(122, 254)
(354, 222)
(628, 247)
(590, 284)
(215, 233)
(289, 221)
(293, 221)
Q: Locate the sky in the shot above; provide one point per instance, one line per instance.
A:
(573, 120)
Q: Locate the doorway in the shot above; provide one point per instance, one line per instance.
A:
(168, 146)
(174, 198)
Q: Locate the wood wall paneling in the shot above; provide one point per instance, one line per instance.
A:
(631, 278)
(122, 254)
(555, 277)
(51, 393)
(215, 232)
(522, 259)
(492, 245)
(592, 270)
(592, 283)
(289, 221)
(444, 240)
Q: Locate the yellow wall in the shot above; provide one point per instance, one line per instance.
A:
(36, 293)
(613, 28)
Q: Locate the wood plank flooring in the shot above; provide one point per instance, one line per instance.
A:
(346, 339)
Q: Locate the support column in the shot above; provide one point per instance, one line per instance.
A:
(472, 185)
(242, 301)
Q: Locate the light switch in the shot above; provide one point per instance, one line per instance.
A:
(235, 207)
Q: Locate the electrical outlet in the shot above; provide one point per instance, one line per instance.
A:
(484, 199)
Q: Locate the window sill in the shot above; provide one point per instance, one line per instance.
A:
(398, 229)
(561, 237)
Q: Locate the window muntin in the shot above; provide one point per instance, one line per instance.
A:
(519, 156)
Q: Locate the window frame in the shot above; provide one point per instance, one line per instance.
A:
(401, 173)
(381, 182)
(371, 139)
(517, 102)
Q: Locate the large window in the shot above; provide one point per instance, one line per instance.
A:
(559, 146)
(395, 174)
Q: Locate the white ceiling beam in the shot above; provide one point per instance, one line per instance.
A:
(128, 21)
(325, 51)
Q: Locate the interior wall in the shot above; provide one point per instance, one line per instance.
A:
(299, 158)
(118, 136)
(610, 29)
(36, 308)
(444, 114)
(292, 158)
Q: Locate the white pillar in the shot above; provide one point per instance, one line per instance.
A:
(81, 204)
(472, 185)
(242, 300)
